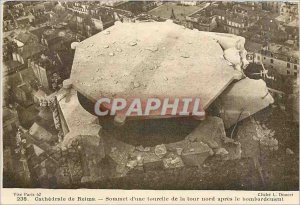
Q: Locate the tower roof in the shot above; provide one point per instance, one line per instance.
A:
(150, 59)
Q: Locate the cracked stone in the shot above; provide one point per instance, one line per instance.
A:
(152, 162)
(131, 164)
(179, 150)
(221, 151)
(252, 134)
(210, 131)
(196, 154)
(234, 151)
(118, 152)
(173, 161)
(242, 99)
(142, 149)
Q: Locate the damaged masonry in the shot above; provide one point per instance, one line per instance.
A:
(168, 60)
(220, 118)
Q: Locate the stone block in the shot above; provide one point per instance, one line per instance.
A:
(196, 154)
(210, 131)
(242, 99)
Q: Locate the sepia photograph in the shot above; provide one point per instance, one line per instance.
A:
(150, 95)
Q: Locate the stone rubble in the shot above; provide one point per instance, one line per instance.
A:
(160, 150)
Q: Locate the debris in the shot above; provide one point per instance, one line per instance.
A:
(270, 143)
(196, 154)
(178, 147)
(106, 46)
(289, 151)
(210, 131)
(179, 150)
(106, 32)
(118, 152)
(165, 78)
(142, 149)
(248, 137)
(111, 54)
(131, 164)
(173, 162)
(152, 162)
(139, 160)
(265, 137)
(160, 150)
(119, 49)
(234, 151)
(221, 151)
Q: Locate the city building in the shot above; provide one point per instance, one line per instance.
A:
(203, 20)
(273, 6)
(8, 19)
(10, 120)
(27, 47)
(23, 94)
(282, 58)
(189, 3)
(47, 68)
(289, 11)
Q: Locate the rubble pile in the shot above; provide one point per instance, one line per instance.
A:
(213, 71)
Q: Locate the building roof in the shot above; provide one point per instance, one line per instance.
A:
(283, 52)
(294, 23)
(15, 79)
(40, 133)
(48, 60)
(153, 58)
(26, 38)
(39, 31)
(25, 87)
(31, 50)
(251, 46)
(8, 114)
(165, 10)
